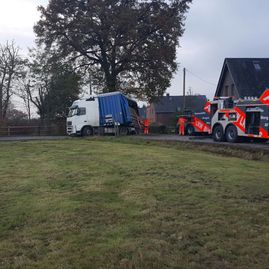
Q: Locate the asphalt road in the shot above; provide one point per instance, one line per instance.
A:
(200, 140)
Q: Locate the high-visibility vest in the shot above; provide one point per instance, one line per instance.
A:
(146, 123)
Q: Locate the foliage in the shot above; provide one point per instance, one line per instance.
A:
(72, 204)
(52, 85)
(11, 69)
(15, 116)
(127, 45)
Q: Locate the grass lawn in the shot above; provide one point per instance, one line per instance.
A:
(119, 204)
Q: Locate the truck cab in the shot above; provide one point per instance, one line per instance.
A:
(83, 116)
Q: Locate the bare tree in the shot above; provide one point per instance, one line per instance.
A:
(49, 84)
(11, 69)
(24, 92)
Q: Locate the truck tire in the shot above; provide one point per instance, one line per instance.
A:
(189, 130)
(231, 134)
(218, 134)
(87, 131)
(137, 131)
(123, 130)
(133, 131)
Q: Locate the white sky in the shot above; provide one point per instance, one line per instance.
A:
(215, 29)
(17, 18)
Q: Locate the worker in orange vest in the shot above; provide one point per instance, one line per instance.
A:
(181, 126)
(146, 126)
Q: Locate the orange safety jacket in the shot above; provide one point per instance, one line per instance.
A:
(146, 126)
(181, 126)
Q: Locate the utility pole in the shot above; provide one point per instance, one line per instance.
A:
(184, 89)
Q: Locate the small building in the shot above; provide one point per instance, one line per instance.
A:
(243, 77)
(167, 108)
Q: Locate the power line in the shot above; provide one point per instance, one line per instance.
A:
(205, 81)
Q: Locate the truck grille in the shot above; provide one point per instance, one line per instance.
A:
(69, 129)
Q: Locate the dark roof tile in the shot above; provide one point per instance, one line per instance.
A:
(172, 104)
(250, 75)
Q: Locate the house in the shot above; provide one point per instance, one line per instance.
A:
(167, 108)
(243, 77)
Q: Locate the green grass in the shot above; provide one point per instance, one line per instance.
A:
(119, 204)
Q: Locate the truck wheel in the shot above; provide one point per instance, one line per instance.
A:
(123, 130)
(87, 131)
(137, 131)
(190, 130)
(231, 134)
(218, 134)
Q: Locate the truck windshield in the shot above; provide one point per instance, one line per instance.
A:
(73, 111)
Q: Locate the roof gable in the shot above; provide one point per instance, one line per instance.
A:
(250, 75)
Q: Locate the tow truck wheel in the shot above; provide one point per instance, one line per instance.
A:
(87, 131)
(231, 134)
(190, 130)
(218, 134)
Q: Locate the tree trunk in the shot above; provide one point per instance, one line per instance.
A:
(1, 105)
(111, 82)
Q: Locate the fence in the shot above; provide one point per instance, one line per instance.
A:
(31, 130)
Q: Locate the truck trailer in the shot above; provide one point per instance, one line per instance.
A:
(103, 113)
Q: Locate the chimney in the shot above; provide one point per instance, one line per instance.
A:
(167, 94)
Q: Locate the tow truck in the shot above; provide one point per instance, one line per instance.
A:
(233, 120)
(197, 122)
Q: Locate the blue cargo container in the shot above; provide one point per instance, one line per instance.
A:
(116, 105)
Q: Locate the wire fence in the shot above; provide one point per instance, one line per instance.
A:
(32, 130)
(56, 130)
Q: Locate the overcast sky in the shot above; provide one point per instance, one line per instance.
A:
(215, 29)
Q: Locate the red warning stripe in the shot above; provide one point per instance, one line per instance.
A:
(265, 97)
(200, 125)
(263, 133)
(241, 119)
(207, 107)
